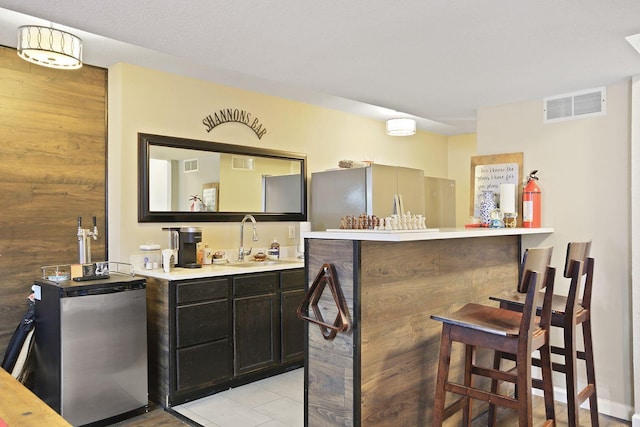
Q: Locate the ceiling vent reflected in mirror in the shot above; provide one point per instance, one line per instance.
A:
(190, 165)
(585, 103)
(242, 163)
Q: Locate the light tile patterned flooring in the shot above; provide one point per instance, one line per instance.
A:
(273, 402)
(278, 402)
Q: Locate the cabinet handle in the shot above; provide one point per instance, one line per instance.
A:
(326, 276)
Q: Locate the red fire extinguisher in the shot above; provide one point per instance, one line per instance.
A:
(531, 202)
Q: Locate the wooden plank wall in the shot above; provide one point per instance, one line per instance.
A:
(330, 364)
(52, 170)
(159, 340)
(402, 285)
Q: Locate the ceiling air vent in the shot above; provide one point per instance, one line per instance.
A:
(586, 103)
(242, 163)
(190, 165)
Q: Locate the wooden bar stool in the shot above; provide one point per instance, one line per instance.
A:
(501, 330)
(568, 312)
(534, 259)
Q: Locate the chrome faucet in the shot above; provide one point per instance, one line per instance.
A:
(242, 252)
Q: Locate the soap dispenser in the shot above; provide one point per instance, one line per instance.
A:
(274, 249)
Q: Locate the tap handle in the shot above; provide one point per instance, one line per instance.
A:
(94, 221)
(79, 222)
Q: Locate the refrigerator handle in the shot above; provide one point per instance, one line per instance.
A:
(398, 205)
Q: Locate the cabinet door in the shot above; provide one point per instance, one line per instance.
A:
(292, 335)
(255, 334)
(202, 365)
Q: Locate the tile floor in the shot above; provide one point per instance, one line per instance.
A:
(273, 402)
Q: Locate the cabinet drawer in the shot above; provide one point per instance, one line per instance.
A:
(291, 279)
(201, 290)
(203, 364)
(255, 283)
(205, 321)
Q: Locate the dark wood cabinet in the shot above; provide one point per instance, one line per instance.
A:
(292, 286)
(201, 322)
(202, 365)
(255, 322)
(202, 347)
(207, 335)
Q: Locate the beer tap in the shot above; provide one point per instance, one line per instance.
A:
(84, 240)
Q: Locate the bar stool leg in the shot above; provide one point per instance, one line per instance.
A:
(444, 360)
(547, 383)
(523, 388)
(469, 356)
(571, 373)
(591, 372)
(493, 411)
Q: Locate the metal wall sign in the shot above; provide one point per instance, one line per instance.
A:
(234, 115)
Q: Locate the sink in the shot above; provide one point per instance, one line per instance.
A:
(260, 263)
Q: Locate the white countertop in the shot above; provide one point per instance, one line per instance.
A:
(211, 270)
(428, 234)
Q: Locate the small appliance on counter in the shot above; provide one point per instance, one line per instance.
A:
(188, 240)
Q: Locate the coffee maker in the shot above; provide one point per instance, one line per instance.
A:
(188, 239)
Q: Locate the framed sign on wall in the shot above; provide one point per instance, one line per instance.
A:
(489, 172)
(210, 196)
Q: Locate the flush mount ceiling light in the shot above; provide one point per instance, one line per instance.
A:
(49, 47)
(401, 127)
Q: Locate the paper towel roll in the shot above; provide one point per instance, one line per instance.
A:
(304, 226)
(508, 198)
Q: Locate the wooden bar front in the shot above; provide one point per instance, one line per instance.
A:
(382, 371)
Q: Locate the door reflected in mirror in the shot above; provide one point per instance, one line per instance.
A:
(190, 180)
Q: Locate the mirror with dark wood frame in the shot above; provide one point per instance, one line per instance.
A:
(187, 180)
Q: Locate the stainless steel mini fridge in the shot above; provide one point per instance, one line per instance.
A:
(91, 347)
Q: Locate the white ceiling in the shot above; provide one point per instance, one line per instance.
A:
(437, 60)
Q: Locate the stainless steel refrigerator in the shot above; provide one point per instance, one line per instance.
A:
(440, 202)
(91, 347)
(281, 193)
(371, 190)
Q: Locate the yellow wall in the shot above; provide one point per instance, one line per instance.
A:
(241, 190)
(461, 148)
(150, 101)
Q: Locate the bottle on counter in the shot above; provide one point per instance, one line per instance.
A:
(200, 254)
(274, 250)
(207, 254)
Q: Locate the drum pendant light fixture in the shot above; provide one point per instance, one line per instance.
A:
(401, 127)
(49, 47)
